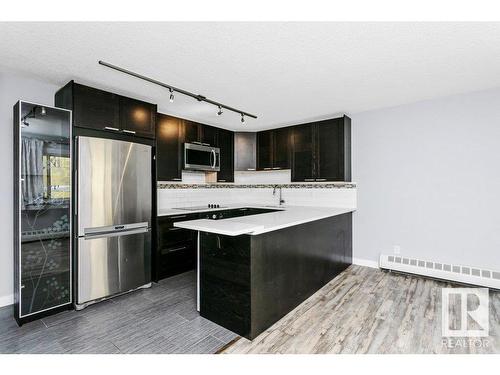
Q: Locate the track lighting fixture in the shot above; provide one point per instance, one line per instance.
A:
(43, 111)
(198, 97)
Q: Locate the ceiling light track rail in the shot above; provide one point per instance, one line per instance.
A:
(173, 89)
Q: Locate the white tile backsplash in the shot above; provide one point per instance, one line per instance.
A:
(320, 197)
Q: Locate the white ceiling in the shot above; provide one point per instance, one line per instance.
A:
(285, 73)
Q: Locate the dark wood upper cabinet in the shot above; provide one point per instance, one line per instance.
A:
(191, 131)
(226, 145)
(281, 148)
(321, 151)
(137, 117)
(303, 155)
(329, 145)
(173, 132)
(265, 150)
(92, 108)
(273, 149)
(168, 148)
(209, 135)
(101, 110)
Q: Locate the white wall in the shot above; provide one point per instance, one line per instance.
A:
(263, 177)
(428, 176)
(12, 88)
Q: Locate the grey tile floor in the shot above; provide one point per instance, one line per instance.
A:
(162, 319)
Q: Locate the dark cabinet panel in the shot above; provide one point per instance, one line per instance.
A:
(321, 151)
(273, 149)
(137, 117)
(209, 135)
(95, 109)
(168, 148)
(225, 281)
(265, 150)
(281, 148)
(176, 250)
(101, 110)
(191, 131)
(226, 145)
(329, 140)
(303, 155)
(333, 140)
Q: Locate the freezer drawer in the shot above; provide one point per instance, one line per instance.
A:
(112, 264)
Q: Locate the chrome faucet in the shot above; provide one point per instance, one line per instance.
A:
(281, 200)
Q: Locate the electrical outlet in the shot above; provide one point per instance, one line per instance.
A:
(396, 249)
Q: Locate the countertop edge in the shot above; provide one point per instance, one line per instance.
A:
(256, 229)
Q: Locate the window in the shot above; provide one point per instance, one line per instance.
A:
(56, 177)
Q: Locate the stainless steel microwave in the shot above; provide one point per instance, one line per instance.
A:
(201, 157)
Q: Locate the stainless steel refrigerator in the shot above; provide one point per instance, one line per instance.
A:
(114, 218)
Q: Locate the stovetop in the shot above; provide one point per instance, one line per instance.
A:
(199, 208)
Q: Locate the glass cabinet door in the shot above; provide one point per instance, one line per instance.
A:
(44, 153)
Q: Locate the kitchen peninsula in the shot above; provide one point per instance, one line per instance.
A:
(254, 269)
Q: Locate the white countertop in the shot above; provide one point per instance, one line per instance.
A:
(257, 224)
(177, 211)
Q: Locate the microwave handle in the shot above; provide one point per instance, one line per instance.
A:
(212, 153)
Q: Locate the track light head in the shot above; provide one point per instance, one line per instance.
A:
(171, 96)
(242, 118)
(43, 111)
(220, 111)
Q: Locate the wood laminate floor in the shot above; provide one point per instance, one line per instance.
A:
(363, 310)
(162, 319)
(366, 310)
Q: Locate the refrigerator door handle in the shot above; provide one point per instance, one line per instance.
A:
(117, 233)
(119, 228)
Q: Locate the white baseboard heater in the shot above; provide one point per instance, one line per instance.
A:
(445, 271)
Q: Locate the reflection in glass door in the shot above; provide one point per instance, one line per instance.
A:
(43, 164)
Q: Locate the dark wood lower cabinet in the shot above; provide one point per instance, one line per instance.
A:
(250, 282)
(176, 249)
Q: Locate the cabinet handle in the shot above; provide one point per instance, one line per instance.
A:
(308, 179)
(129, 131)
(221, 180)
(173, 229)
(196, 143)
(176, 179)
(321, 179)
(276, 168)
(178, 217)
(204, 144)
(111, 128)
(267, 168)
(177, 249)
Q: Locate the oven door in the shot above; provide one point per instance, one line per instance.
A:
(201, 158)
